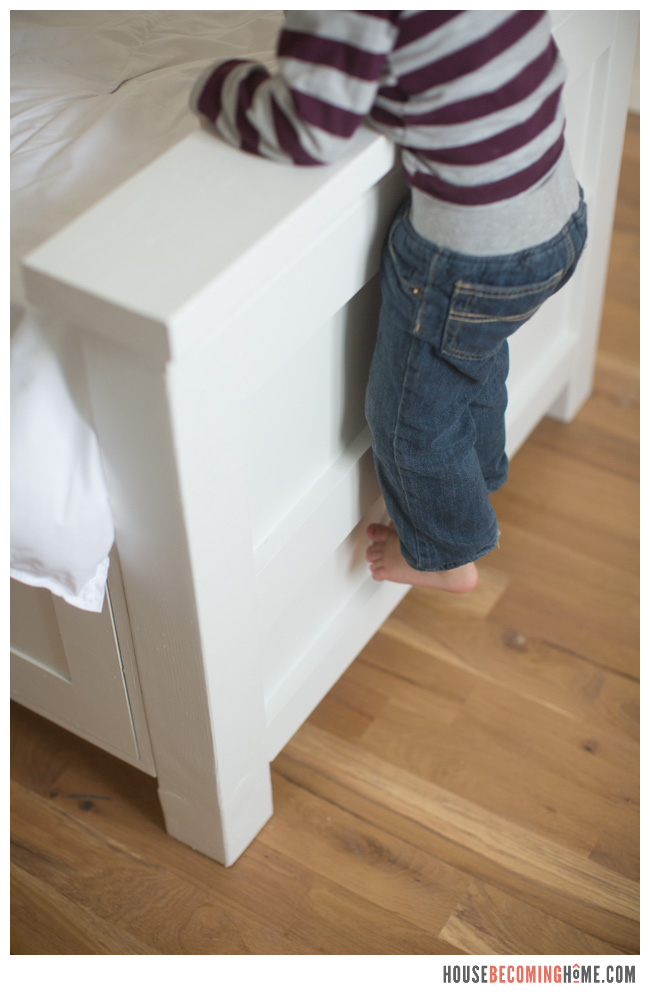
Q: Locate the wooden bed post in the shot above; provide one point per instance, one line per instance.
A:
(198, 656)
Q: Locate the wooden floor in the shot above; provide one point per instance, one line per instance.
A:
(469, 786)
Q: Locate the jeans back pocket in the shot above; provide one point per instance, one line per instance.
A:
(481, 317)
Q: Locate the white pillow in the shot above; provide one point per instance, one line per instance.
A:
(61, 523)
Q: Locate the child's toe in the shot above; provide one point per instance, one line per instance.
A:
(378, 532)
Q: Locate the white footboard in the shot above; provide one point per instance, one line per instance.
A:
(228, 308)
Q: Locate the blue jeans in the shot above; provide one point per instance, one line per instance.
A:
(436, 396)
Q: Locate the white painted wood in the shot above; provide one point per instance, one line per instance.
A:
(174, 457)
(309, 411)
(228, 308)
(312, 609)
(124, 641)
(317, 524)
(553, 355)
(67, 665)
(323, 661)
(137, 287)
(541, 357)
(35, 633)
(634, 105)
(600, 53)
(196, 651)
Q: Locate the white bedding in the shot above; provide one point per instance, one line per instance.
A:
(95, 96)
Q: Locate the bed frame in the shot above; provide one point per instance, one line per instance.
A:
(227, 307)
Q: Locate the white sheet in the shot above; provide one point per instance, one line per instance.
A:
(96, 95)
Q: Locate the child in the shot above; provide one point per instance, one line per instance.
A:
(494, 225)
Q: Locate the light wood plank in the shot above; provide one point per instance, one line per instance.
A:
(570, 600)
(498, 654)
(552, 501)
(447, 814)
(568, 907)
(38, 908)
(265, 887)
(168, 915)
(388, 871)
(487, 921)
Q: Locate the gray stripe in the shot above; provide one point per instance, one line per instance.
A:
(332, 85)
(485, 79)
(317, 143)
(468, 132)
(489, 172)
(522, 222)
(369, 33)
(463, 30)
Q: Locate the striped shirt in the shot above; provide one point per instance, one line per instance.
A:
(473, 100)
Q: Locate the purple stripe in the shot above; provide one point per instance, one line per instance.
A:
(488, 193)
(501, 144)
(209, 102)
(381, 15)
(288, 140)
(515, 90)
(467, 60)
(425, 22)
(382, 116)
(328, 117)
(248, 133)
(326, 52)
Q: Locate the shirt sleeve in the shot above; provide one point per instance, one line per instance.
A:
(331, 64)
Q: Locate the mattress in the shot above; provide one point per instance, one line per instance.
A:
(95, 97)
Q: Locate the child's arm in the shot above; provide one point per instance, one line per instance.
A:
(330, 62)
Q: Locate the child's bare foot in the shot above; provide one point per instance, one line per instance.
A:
(387, 563)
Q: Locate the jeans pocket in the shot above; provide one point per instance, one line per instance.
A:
(406, 258)
(481, 317)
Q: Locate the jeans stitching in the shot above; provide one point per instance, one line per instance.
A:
(507, 293)
(430, 278)
(421, 563)
(570, 248)
(450, 338)
(485, 319)
(396, 461)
